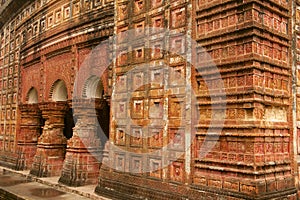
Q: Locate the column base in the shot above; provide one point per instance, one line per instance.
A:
(26, 154)
(48, 162)
(80, 168)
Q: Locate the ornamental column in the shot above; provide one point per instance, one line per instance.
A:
(30, 130)
(83, 156)
(50, 154)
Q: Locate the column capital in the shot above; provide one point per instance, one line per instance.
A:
(53, 108)
(87, 107)
(29, 108)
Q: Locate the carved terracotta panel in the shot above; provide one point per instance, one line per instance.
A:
(177, 171)
(120, 136)
(136, 137)
(178, 17)
(137, 109)
(176, 138)
(136, 164)
(155, 165)
(155, 138)
(121, 109)
(156, 108)
(120, 162)
(157, 77)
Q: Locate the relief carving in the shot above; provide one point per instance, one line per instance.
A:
(275, 114)
(155, 167)
(136, 138)
(120, 136)
(155, 138)
(137, 110)
(176, 172)
(178, 17)
(176, 138)
(136, 165)
(139, 5)
(119, 162)
(123, 11)
(175, 110)
(156, 108)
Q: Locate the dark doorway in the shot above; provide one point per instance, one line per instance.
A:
(69, 124)
(42, 123)
(103, 116)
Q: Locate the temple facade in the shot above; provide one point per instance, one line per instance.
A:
(160, 99)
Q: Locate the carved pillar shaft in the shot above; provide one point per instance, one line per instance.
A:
(51, 146)
(30, 128)
(81, 166)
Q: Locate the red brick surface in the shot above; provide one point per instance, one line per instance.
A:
(254, 48)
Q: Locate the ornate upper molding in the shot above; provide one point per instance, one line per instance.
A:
(8, 9)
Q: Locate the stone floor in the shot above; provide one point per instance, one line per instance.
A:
(21, 185)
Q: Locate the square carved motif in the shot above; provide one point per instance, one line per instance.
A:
(123, 58)
(58, 16)
(177, 75)
(176, 138)
(121, 83)
(136, 165)
(157, 77)
(139, 6)
(123, 11)
(122, 34)
(178, 17)
(50, 20)
(136, 137)
(76, 8)
(97, 2)
(176, 108)
(157, 22)
(120, 162)
(177, 171)
(121, 110)
(137, 110)
(139, 28)
(156, 108)
(139, 54)
(155, 167)
(177, 45)
(67, 12)
(87, 4)
(156, 50)
(155, 138)
(120, 136)
(42, 24)
(138, 81)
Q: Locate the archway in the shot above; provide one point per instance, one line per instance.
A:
(58, 128)
(89, 136)
(59, 91)
(31, 124)
(32, 96)
(93, 88)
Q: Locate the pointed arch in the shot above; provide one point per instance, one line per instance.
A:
(93, 88)
(58, 91)
(32, 96)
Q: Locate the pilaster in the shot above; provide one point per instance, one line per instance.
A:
(30, 130)
(50, 154)
(84, 149)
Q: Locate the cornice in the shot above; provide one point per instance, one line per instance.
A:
(10, 9)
